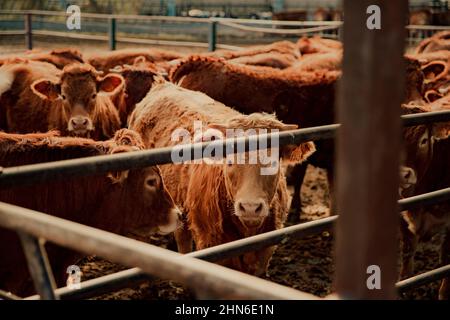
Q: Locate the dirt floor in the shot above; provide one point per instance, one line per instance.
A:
(304, 264)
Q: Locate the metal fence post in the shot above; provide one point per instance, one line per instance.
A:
(212, 36)
(368, 146)
(28, 31)
(39, 267)
(112, 33)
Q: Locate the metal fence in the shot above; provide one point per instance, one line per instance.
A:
(68, 233)
(209, 281)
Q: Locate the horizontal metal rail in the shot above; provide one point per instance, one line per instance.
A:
(427, 27)
(128, 277)
(8, 296)
(12, 32)
(424, 199)
(208, 279)
(30, 174)
(171, 18)
(278, 31)
(423, 278)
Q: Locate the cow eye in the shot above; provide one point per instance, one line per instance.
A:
(151, 182)
(94, 96)
(424, 141)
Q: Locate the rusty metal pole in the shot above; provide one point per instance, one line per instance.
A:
(368, 149)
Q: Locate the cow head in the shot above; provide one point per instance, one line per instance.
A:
(251, 180)
(149, 207)
(78, 91)
(418, 149)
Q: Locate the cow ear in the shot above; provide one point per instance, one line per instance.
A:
(441, 130)
(46, 89)
(295, 154)
(110, 84)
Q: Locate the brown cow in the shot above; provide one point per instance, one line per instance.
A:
(110, 60)
(138, 81)
(59, 57)
(305, 98)
(36, 97)
(118, 202)
(223, 201)
(428, 153)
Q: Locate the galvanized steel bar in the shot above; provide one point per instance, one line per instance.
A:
(38, 266)
(423, 278)
(209, 278)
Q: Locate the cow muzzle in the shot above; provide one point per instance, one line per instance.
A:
(251, 212)
(80, 125)
(408, 180)
(175, 222)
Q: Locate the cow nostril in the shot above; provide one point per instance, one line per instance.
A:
(259, 208)
(85, 121)
(241, 207)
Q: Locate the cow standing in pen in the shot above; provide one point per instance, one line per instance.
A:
(37, 97)
(135, 200)
(223, 202)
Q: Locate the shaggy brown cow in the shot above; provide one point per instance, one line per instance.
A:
(59, 57)
(36, 97)
(240, 201)
(110, 60)
(118, 202)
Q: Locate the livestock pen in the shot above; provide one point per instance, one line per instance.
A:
(363, 224)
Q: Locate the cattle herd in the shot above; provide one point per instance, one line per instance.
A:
(63, 105)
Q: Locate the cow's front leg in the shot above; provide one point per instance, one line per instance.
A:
(296, 178)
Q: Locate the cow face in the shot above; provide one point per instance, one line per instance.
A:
(251, 180)
(78, 92)
(148, 206)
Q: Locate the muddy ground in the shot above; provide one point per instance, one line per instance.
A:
(304, 264)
